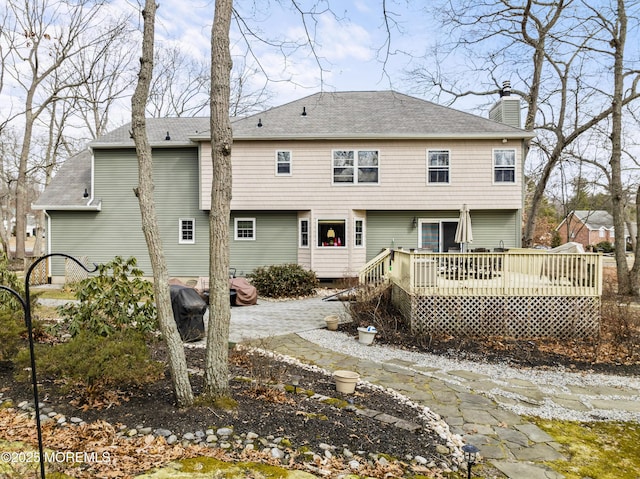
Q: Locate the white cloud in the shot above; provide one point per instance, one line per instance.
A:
(340, 42)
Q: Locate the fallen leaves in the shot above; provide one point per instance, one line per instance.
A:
(108, 454)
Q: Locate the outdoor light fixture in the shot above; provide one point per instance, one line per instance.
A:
(295, 382)
(414, 222)
(471, 456)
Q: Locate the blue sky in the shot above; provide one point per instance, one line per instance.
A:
(348, 41)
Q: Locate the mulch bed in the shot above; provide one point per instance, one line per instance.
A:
(266, 406)
(269, 409)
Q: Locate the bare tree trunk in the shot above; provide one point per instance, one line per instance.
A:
(616, 187)
(536, 201)
(216, 366)
(168, 327)
(21, 184)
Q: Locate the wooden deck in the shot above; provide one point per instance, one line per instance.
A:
(513, 273)
(521, 293)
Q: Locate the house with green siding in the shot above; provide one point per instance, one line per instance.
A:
(326, 181)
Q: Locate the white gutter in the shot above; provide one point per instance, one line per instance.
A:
(97, 207)
(48, 221)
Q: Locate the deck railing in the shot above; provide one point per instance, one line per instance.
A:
(376, 271)
(513, 273)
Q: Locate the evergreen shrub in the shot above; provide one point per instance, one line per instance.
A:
(284, 281)
(117, 298)
(93, 365)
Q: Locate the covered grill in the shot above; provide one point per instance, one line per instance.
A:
(188, 312)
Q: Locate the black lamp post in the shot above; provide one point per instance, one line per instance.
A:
(471, 455)
(26, 306)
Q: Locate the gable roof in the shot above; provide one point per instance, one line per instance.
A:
(595, 219)
(66, 189)
(368, 114)
(347, 115)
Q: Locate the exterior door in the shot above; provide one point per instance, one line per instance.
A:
(438, 235)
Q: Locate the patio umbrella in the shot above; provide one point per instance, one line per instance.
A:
(464, 234)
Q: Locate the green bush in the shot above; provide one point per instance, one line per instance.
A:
(117, 298)
(284, 281)
(11, 332)
(11, 312)
(9, 279)
(605, 247)
(93, 365)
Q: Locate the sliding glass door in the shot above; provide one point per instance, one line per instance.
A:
(438, 235)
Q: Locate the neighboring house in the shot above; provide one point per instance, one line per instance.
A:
(327, 181)
(589, 227)
(29, 227)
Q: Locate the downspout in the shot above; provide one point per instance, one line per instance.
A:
(48, 223)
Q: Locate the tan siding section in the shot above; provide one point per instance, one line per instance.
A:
(332, 262)
(402, 177)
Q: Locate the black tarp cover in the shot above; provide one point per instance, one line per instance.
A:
(188, 312)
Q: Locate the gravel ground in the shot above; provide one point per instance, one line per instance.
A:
(549, 381)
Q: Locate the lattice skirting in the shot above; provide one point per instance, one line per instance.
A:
(74, 273)
(559, 317)
(39, 274)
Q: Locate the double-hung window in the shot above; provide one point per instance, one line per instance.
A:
(304, 233)
(504, 166)
(187, 231)
(352, 167)
(358, 232)
(245, 229)
(283, 163)
(438, 166)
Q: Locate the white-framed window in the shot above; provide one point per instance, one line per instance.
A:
(283, 163)
(601, 233)
(245, 229)
(438, 166)
(504, 166)
(303, 233)
(332, 233)
(356, 167)
(358, 233)
(186, 230)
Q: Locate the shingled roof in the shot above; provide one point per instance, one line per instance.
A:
(162, 132)
(367, 114)
(595, 219)
(348, 115)
(67, 189)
